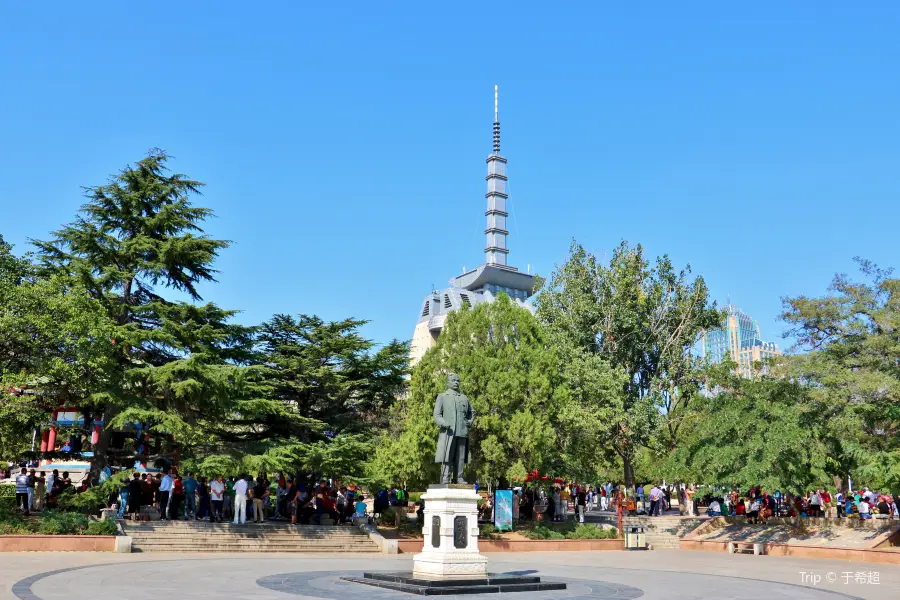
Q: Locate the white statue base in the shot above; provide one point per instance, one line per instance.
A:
(451, 535)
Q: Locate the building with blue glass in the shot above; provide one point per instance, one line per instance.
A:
(740, 340)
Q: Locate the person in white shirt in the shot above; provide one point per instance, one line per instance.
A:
(217, 499)
(240, 501)
(165, 491)
(815, 504)
(863, 508)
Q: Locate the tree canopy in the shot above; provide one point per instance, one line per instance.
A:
(107, 317)
(638, 319)
(850, 367)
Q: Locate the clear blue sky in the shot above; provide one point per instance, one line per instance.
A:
(343, 144)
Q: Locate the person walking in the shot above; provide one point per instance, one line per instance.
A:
(204, 508)
(229, 498)
(165, 490)
(240, 501)
(260, 493)
(40, 491)
(176, 497)
(581, 503)
(689, 501)
(190, 497)
(281, 499)
(31, 482)
(22, 491)
(51, 481)
(124, 493)
(515, 507)
(135, 496)
(217, 496)
(655, 501)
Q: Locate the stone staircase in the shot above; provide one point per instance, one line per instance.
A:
(661, 533)
(202, 536)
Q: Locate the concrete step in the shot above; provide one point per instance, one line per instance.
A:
(251, 549)
(243, 540)
(248, 533)
(193, 536)
(248, 544)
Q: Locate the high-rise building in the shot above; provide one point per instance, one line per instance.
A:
(740, 340)
(485, 282)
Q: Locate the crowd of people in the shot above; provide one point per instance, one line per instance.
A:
(35, 490)
(759, 505)
(239, 499)
(756, 504)
(307, 500)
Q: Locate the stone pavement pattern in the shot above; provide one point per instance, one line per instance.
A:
(599, 575)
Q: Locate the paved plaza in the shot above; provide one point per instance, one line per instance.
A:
(672, 575)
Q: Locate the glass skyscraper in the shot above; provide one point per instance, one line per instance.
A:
(740, 340)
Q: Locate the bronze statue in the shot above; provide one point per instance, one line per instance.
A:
(454, 415)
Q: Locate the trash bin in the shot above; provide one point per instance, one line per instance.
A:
(635, 538)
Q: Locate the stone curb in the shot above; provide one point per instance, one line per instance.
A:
(387, 546)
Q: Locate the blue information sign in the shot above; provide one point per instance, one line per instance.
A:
(503, 501)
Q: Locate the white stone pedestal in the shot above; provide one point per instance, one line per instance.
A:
(451, 535)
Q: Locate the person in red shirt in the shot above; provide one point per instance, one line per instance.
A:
(739, 508)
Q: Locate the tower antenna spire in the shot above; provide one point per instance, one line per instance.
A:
(496, 109)
(495, 250)
(496, 123)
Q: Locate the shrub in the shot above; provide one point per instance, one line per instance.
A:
(542, 532)
(488, 531)
(63, 523)
(388, 518)
(590, 532)
(12, 523)
(568, 531)
(104, 527)
(53, 522)
(94, 498)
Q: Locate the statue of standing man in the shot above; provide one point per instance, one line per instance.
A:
(453, 415)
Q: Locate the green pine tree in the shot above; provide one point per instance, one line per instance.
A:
(136, 239)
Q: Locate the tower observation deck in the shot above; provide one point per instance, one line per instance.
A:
(484, 283)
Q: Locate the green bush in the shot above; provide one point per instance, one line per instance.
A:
(104, 527)
(568, 531)
(53, 522)
(542, 532)
(590, 532)
(12, 523)
(63, 523)
(488, 531)
(94, 498)
(388, 518)
(415, 497)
